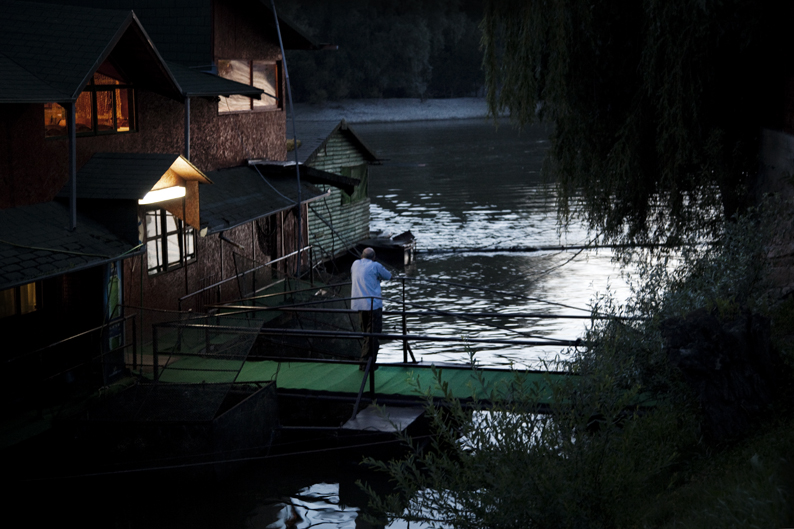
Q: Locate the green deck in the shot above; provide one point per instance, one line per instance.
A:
(346, 378)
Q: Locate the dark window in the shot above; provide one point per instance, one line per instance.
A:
(359, 172)
(19, 300)
(261, 74)
(106, 105)
(169, 242)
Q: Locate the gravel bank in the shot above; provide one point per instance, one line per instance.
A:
(386, 110)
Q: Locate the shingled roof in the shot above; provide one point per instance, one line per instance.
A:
(313, 135)
(240, 195)
(53, 50)
(35, 244)
(124, 176)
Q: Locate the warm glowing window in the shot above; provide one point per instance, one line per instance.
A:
(18, 300)
(169, 242)
(261, 74)
(107, 105)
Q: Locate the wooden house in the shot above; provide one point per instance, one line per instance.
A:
(333, 157)
(97, 126)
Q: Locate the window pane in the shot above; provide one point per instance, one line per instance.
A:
(123, 122)
(153, 254)
(266, 78)
(54, 120)
(170, 223)
(152, 224)
(8, 302)
(84, 108)
(172, 243)
(239, 71)
(104, 111)
(27, 298)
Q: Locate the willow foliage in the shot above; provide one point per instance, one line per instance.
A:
(656, 105)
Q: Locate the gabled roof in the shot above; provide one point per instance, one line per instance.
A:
(35, 244)
(240, 195)
(124, 176)
(313, 135)
(54, 50)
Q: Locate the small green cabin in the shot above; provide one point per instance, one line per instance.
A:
(341, 219)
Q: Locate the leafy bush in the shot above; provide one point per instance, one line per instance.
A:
(595, 448)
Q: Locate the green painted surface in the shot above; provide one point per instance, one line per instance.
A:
(345, 378)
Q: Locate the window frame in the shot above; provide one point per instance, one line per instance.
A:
(253, 106)
(185, 236)
(92, 89)
(18, 309)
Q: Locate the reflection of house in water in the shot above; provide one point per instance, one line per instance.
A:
(124, 177)
(336, 159)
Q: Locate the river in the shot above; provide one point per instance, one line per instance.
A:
(461, 184)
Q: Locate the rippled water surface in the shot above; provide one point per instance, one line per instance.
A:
(465, 184)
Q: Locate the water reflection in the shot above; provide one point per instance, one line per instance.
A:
(466, 185)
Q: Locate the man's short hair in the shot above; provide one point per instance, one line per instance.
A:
(368, 253)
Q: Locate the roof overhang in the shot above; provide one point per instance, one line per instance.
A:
(36, 244)
(308, 174)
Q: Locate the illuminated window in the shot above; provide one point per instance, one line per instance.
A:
(169, 242)
(18, 300)
(106, 105)
(261, 74)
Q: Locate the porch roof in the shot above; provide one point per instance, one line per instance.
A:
(35, 244)
(128, 176)
(242, 194)
(196, 83)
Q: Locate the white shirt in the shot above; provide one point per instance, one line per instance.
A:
(367, 275)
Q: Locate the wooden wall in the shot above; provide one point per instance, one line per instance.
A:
(350, 221)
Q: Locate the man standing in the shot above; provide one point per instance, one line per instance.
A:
(366, 276)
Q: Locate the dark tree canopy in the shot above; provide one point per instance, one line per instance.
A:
(656, 104)
(387, 48)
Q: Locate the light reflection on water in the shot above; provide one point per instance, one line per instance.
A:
(463, 184)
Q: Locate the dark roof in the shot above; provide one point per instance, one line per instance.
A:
(240, 195)
(126, 176)
(196, 83)
(313, 135)
(35, 244)
(182, 29)
(49, 52)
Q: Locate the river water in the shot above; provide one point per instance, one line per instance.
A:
(464, 184)
(454, 184)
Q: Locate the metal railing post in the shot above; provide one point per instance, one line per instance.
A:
(405, 326)
(155, 359)
(134, 343)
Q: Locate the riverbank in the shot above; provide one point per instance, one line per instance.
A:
(393, 110)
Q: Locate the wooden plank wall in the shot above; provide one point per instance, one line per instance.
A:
(350, 221)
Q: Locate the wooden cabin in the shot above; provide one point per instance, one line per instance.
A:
(96, 123)
(333, 157)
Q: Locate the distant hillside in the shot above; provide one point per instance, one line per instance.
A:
(387, 48)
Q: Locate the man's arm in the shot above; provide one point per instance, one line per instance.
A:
(383, 274)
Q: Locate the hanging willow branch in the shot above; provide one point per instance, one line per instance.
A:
(656, 105)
